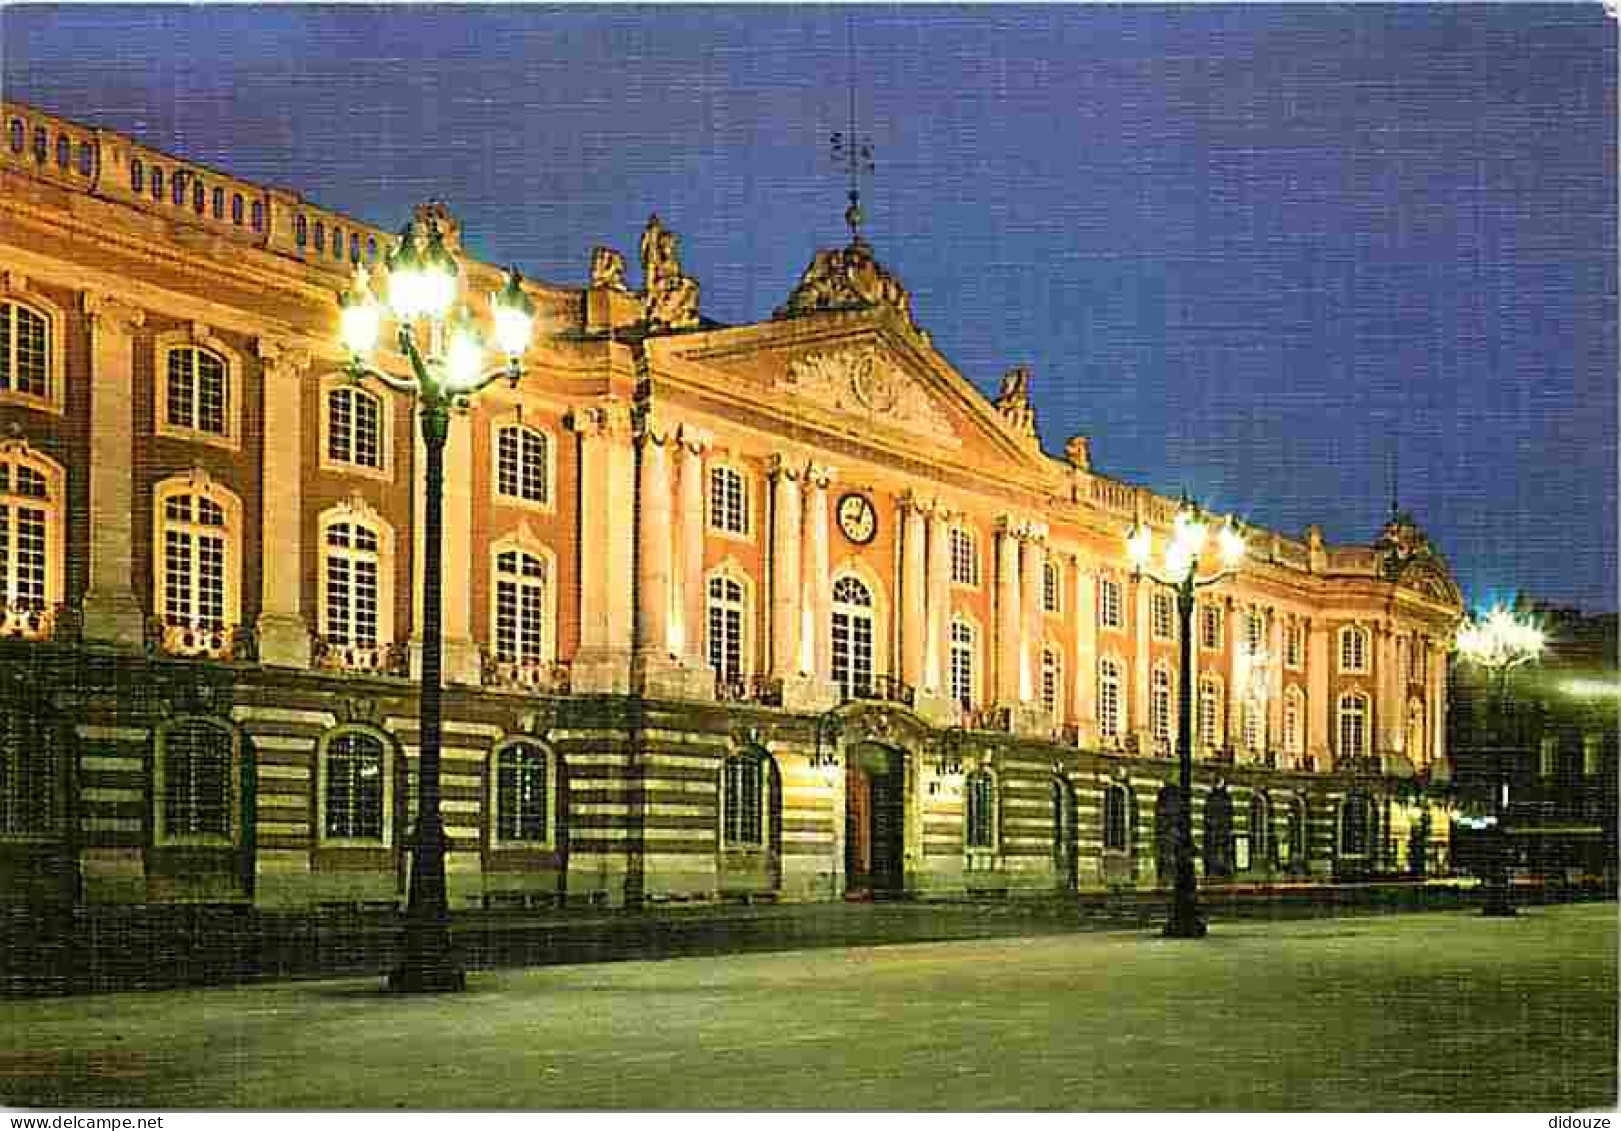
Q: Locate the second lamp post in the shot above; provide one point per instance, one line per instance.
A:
(1190, 534)
(446, 355)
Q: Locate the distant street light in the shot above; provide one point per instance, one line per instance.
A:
(447, 357)
(1190, 532)
(1499, 642)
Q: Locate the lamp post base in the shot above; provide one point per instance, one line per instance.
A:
(427, 967)
(1185, 927)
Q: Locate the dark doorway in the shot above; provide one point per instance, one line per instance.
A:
(875, 824)
(1219, 853)
(1065, 848)
(1165, 811)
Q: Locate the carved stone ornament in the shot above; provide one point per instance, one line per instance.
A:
(847, 278)
(1013, 402)
(1078, 451)
(608, 269)
(670, 297)
(865, 383)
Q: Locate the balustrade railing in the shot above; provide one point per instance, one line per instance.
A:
(30, 620)
(880, 688)
(176, 637)
(542, 677)
(761, 689)
(377, 659)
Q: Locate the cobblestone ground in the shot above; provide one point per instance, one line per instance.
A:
(1415, 1012)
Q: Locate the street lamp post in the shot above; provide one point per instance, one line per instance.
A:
(1499, 642)
(1189, 535)
(445, 352)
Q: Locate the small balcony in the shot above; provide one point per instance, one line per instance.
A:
(986, 718)
(174, 636)
(28, 620)
(882, 689)
(763, 690)
(371, 659)
(538, 677)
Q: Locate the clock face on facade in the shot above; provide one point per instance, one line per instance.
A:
(857, 518)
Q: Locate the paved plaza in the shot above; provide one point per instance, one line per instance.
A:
(1444, 1011)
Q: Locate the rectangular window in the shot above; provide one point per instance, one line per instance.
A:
(726, 641)
(1049, 689)
(1109, 701)
(1108, 603)
(1164, 620)
(1549, 756)
(354, 788)
(1114, 819)
(981, 814)
(1210, 626)
(1051, 584)
(520, 464)
(182, 393)
(521, 788)
(1254, 632)
(964, 557)
(1294, 644)
(728, 501)
(742, 799)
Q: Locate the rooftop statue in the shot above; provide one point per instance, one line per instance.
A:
(670, 297)
(1013, 402)
(608, 269)
(847, 278)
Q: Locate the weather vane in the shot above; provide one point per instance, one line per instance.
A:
(851, 151)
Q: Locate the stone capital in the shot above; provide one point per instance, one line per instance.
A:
(282, 359)
(113, 313)
(911, 502)
(655, 430)
(819, 475)
(608, 418)
(785, 466)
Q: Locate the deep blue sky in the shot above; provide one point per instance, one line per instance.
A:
(1249, 249)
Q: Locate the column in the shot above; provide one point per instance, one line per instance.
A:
(818, 596)
(1274, 680)
(914, 601)
(112, 615)
(1034, 561)
(1010, 626)
(1236, 677)
(1318, 708)
(1435, 705)
(1390, 706)
(939, 600)
(458, 656)
(689, 634)
(1142, 663)
(653, 585)
(607, 483)
(284, 638)
(786, 580)
(1084, 678)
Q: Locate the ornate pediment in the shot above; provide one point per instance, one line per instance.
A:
(863, 382)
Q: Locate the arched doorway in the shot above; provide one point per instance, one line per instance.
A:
(1066, 849)
(874, 822)
(1165, 813)
(1356, 836)
(1219, 851)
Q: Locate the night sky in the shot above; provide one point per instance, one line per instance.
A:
(1251, 250)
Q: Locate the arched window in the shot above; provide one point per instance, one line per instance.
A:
(1353, 730)
(199, 198)
(30, 792)
(1162, 615)
(1051, 587)
(64, 151)
(1210, 711)
(1052, 684)
(743, 801)
(1294, 713)
(1355, 828)
(354, 788)
(1159, 706)
(1291, 846)
(236, 208)
(354, 427)
(1353, 649)
(1260, 829)
(963, 652)
(521, 582)
(728, 611)
(301, 230)
(137, 175)
(18, 139)
(728, 500)
(258, 215)
(337, 242)
(25, 351)
(157, 182)
(354, 247)
(1116, 818)
(194, 583)
(522, 469)
(1109, 698)
(177, 188)
(197, 393)
(320, 237)
(42, 143)
(964, 557)
(1416, 751)
(30, 543)
(196, 783)
(525, 792)
(218, 202)
(353, 585)
(979, 814)
(852, 637)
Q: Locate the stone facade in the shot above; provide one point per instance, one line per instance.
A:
(782, 610)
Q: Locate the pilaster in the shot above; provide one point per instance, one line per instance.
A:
(283, 633)
(914, 598)
(1009, 621)
(112, 614)
(602, 662)
(1318, 708)
(787, 586)
(1084, 677)
(689, 629)
(818, 583)
(1033, 550)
